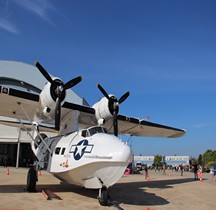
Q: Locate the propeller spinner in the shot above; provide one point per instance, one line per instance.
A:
(114, 106)
(58, 89)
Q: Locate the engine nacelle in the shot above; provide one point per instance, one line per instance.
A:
(48, 98)
(102, 110)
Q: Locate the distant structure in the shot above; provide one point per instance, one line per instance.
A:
(177, 160)
(149, 160)
(170, 160)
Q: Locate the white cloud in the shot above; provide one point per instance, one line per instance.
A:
(204, 125)
(38, 7)
(5, 22)
(8, 26)
(41, 8)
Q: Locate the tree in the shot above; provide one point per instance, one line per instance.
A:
(157, 160)
(209, 157)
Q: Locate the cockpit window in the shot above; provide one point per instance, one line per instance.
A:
(84, 133)
(105, 130)
(93, 130)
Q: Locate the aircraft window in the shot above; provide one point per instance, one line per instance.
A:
(63, 151)
(94, 130)
(105, 130)
(84, 133)
(57, 150)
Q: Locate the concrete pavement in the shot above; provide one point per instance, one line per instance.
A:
(132, 192)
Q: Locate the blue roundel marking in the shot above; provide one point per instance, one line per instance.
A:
(79, 149)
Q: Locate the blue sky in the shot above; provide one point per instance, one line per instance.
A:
(163, 52)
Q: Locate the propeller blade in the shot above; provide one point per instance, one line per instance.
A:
(72, 82)
(58, 88)
(124, 97)
(57, 114)
(103, 91)
(44, 72)
(115, 123)
(114, 106)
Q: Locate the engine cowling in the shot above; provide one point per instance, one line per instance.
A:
(102, 110)
(53, 95)
(48, 97)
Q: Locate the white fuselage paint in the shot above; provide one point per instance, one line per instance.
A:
(93, 161)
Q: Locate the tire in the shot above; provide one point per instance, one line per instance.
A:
(104, 199)
(31, 180)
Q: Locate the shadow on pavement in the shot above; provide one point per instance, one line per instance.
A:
(133, 193)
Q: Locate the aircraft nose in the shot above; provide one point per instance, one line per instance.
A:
(125, 154)
(128, 153)
(113, 147)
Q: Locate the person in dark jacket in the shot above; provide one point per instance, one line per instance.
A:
(195, 167)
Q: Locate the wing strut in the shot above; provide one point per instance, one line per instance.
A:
(34, 127)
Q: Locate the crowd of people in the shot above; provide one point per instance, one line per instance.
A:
(195, 169)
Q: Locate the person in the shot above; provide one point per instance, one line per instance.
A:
(156, 168)
(195, 172)
(213, 173)
(146, 171)
(164, 168)
(181, 169)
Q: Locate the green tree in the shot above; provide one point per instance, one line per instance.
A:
(157, 160)
(209, 157)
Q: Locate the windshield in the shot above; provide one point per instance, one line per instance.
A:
(93, 130)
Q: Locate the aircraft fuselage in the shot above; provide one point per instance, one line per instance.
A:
(91, 158)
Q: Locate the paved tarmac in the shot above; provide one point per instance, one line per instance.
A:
(132, 192)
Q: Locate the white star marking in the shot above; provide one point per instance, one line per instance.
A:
(80, 148)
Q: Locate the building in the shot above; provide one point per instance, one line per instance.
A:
(149, 160)
(177, 160)
(170, 160)
(14, 142)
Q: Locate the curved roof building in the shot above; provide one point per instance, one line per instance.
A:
(27, 77)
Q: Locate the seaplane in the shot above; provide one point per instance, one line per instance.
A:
(85, 148)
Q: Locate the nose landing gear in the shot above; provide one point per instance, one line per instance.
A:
(104, 197)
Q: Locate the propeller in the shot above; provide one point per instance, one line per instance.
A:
(58, 91)
(113, 104)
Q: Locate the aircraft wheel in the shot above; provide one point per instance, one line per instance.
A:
(31, 180)
(104, 198)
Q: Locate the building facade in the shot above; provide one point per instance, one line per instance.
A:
(170, 160)
(177, 160)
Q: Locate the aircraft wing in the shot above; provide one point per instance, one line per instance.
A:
(134, 127)
(16, 123)
(15, 103)
(12, 98)
(137, 127)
